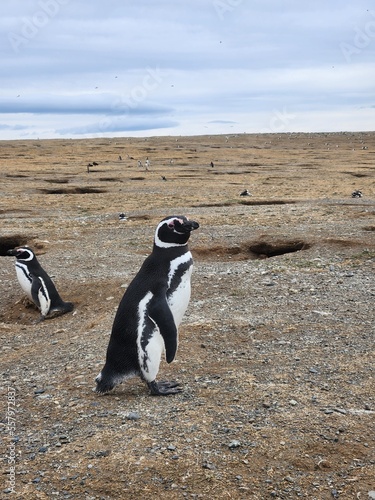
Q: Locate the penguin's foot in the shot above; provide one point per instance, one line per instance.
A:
(164, 388)
(104, 388)
(59, 311)
(103, 385)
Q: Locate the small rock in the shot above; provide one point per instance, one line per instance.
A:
(234, 444)
(293, 402)
(208, 465)
(340, 410)
(133, 415)
(102, 453)
(268, 283)
(322, 313)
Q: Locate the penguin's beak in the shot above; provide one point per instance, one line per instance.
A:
(189, 226)
(13, 252)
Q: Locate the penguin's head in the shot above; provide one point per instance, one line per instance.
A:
(174, 231)
(22, 253)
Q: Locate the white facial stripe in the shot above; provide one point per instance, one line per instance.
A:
(172, 221)
(162, 244)
(30, 257)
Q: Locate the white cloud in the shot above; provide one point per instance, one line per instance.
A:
(183, 67)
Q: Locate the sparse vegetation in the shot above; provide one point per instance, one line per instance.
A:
(275, 354)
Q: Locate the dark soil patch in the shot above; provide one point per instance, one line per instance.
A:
(73, 190)
(12, 241)
(262, 249)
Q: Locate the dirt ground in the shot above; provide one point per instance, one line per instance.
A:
(276, 351)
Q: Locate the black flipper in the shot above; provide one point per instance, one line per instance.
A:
(160, 313)
(35, 287)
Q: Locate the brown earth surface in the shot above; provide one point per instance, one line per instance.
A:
(276, 352)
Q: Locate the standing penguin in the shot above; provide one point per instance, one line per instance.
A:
(37, 285)
(151, 311)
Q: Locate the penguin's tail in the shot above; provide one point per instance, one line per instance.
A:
(68, 306)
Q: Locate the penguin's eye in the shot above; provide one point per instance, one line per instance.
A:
(171, 225)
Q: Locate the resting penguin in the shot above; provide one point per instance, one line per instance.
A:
(37, 285)
(151, 311)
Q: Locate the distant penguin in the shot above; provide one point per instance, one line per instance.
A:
(357, 194)
(37, 285)
(151, 311)
(246, 192)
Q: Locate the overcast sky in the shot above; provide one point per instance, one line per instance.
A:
(74, 68)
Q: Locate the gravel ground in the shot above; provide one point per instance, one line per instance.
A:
(276, 355)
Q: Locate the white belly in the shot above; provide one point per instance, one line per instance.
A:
(149, 356)
(24, 278)
(179, 300)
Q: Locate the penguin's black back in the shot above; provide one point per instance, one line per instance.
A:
(56, 301)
